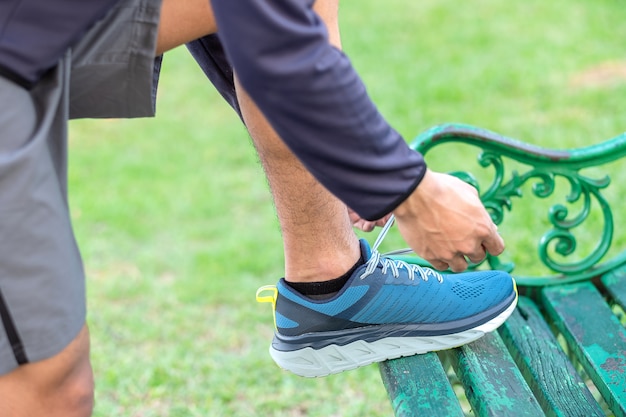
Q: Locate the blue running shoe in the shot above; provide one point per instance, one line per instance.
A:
(387, 309)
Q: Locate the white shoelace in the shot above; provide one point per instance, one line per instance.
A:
(393, 264)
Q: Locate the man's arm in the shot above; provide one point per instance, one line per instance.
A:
(312, 96)
(314, 99)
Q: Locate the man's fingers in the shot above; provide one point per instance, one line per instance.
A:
(478, 256)
(494, 244)
(364, 225)
(439, 265)
(458, 264)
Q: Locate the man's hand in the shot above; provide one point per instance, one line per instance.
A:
(444, 221)
(366, 225)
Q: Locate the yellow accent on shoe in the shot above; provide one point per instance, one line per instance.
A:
(270, 298)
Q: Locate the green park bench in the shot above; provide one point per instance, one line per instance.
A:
(563, 351)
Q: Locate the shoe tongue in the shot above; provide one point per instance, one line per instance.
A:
(366, 251)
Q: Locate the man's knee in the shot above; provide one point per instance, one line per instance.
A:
(77, 389)
(80, 396)
(58, 386)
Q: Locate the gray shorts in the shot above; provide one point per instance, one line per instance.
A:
(111, 73)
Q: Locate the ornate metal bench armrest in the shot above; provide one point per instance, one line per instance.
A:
(542, 167)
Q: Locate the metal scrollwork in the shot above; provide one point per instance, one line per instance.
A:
(545, 167)
(560, 237)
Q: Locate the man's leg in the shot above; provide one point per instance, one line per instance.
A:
(44, 343)
(319, 242)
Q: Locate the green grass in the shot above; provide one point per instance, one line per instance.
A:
(176, 223)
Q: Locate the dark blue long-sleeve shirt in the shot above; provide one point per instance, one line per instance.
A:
(314, 99)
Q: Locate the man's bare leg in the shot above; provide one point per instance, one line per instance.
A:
(319, 243)
(318, 240)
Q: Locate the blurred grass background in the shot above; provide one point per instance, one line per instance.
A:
(176, 223)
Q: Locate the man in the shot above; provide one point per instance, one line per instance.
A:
(289, 63)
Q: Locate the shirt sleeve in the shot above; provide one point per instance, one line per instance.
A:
(310, 93)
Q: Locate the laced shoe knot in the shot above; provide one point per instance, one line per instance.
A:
(395, 265)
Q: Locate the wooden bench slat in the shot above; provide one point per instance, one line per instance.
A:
(615, 283)
(553, 379)
(595, 335)
(493, 384)
(408, 395)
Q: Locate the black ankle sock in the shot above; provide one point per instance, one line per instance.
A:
(324, 289)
